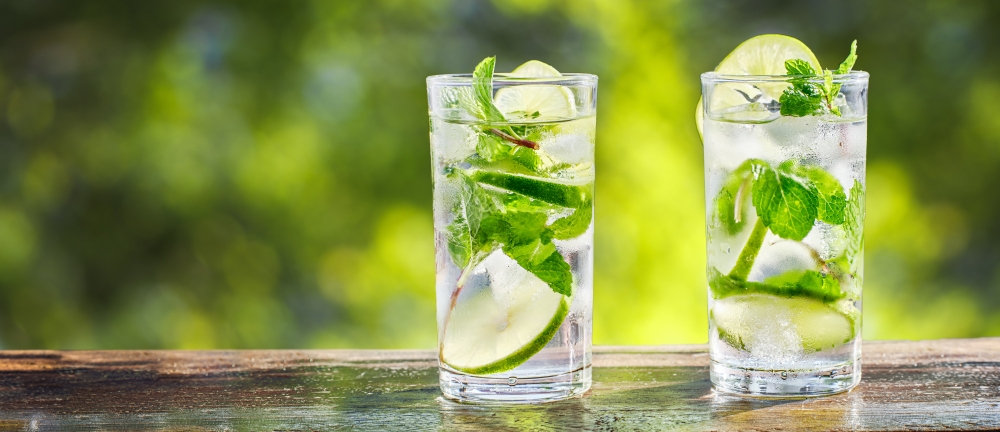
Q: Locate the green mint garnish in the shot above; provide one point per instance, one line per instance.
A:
(482, 86)
(789, 199)
(505, 201)
(466, 243)
(805, 97)
(832, 200)
(854, 217)
(848, 63)
(786, 203)
(528, 241)
(575, 224)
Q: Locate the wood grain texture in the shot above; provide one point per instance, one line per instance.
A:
(932, 385)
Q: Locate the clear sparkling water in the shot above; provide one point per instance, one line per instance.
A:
(773, 361)
(562, 368)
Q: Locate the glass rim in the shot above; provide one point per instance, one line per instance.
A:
(850, 77)
(504, 79)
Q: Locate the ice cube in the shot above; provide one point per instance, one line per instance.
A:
(453, 141)
(777, 340)
(572, 148)
(779, 256)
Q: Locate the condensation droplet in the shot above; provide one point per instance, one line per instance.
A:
(512, 381)
(784, 375)
(574, 332)
(725, 247)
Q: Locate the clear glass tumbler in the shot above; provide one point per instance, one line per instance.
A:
(785, 202)
(513, 226)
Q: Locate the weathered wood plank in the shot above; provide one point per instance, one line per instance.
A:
(947, 384)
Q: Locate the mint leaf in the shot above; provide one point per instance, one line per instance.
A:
(554, 271)
(730, 202)
(854, 218)
(796, 283)
(799, 67)
(785, 204)
(460, 240)
(575, 224)
(831, 90)
(528, 241)
(848, 63)
(491, 148)
(834, 89)
(541, 259)
(832, 199)
(466, 239)
(803, 97)
(482, 86)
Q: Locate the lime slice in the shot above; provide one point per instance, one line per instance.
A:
(528, 102)
(766, 55)
(759, 55)
(535, 69)
(766, 322)
(492, 331)
(572, 196)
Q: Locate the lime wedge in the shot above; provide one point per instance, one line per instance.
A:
(494, 330)
(769, 322)
(759, 55)
(529, 102)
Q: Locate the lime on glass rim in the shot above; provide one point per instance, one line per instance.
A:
(759, 55)
(535, 101)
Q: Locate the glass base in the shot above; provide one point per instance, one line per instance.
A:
(830, 380)
(476, 389)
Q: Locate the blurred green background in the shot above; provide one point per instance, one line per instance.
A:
(256, 174)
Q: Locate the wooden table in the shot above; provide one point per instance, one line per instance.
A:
(946, 384)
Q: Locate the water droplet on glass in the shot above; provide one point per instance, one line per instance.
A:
(512, 381)
(833, 373)
(784, 375)
(574, 332)
(725, 247)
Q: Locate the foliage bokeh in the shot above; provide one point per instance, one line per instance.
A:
(243, 174)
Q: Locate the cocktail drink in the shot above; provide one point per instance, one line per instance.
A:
(785, 145)
(513, 170)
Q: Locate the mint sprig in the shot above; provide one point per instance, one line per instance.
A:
(805, 96)
(482, 86)
(504, 200)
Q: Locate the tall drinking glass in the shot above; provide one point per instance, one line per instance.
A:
(513, 212)
(785, 204)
